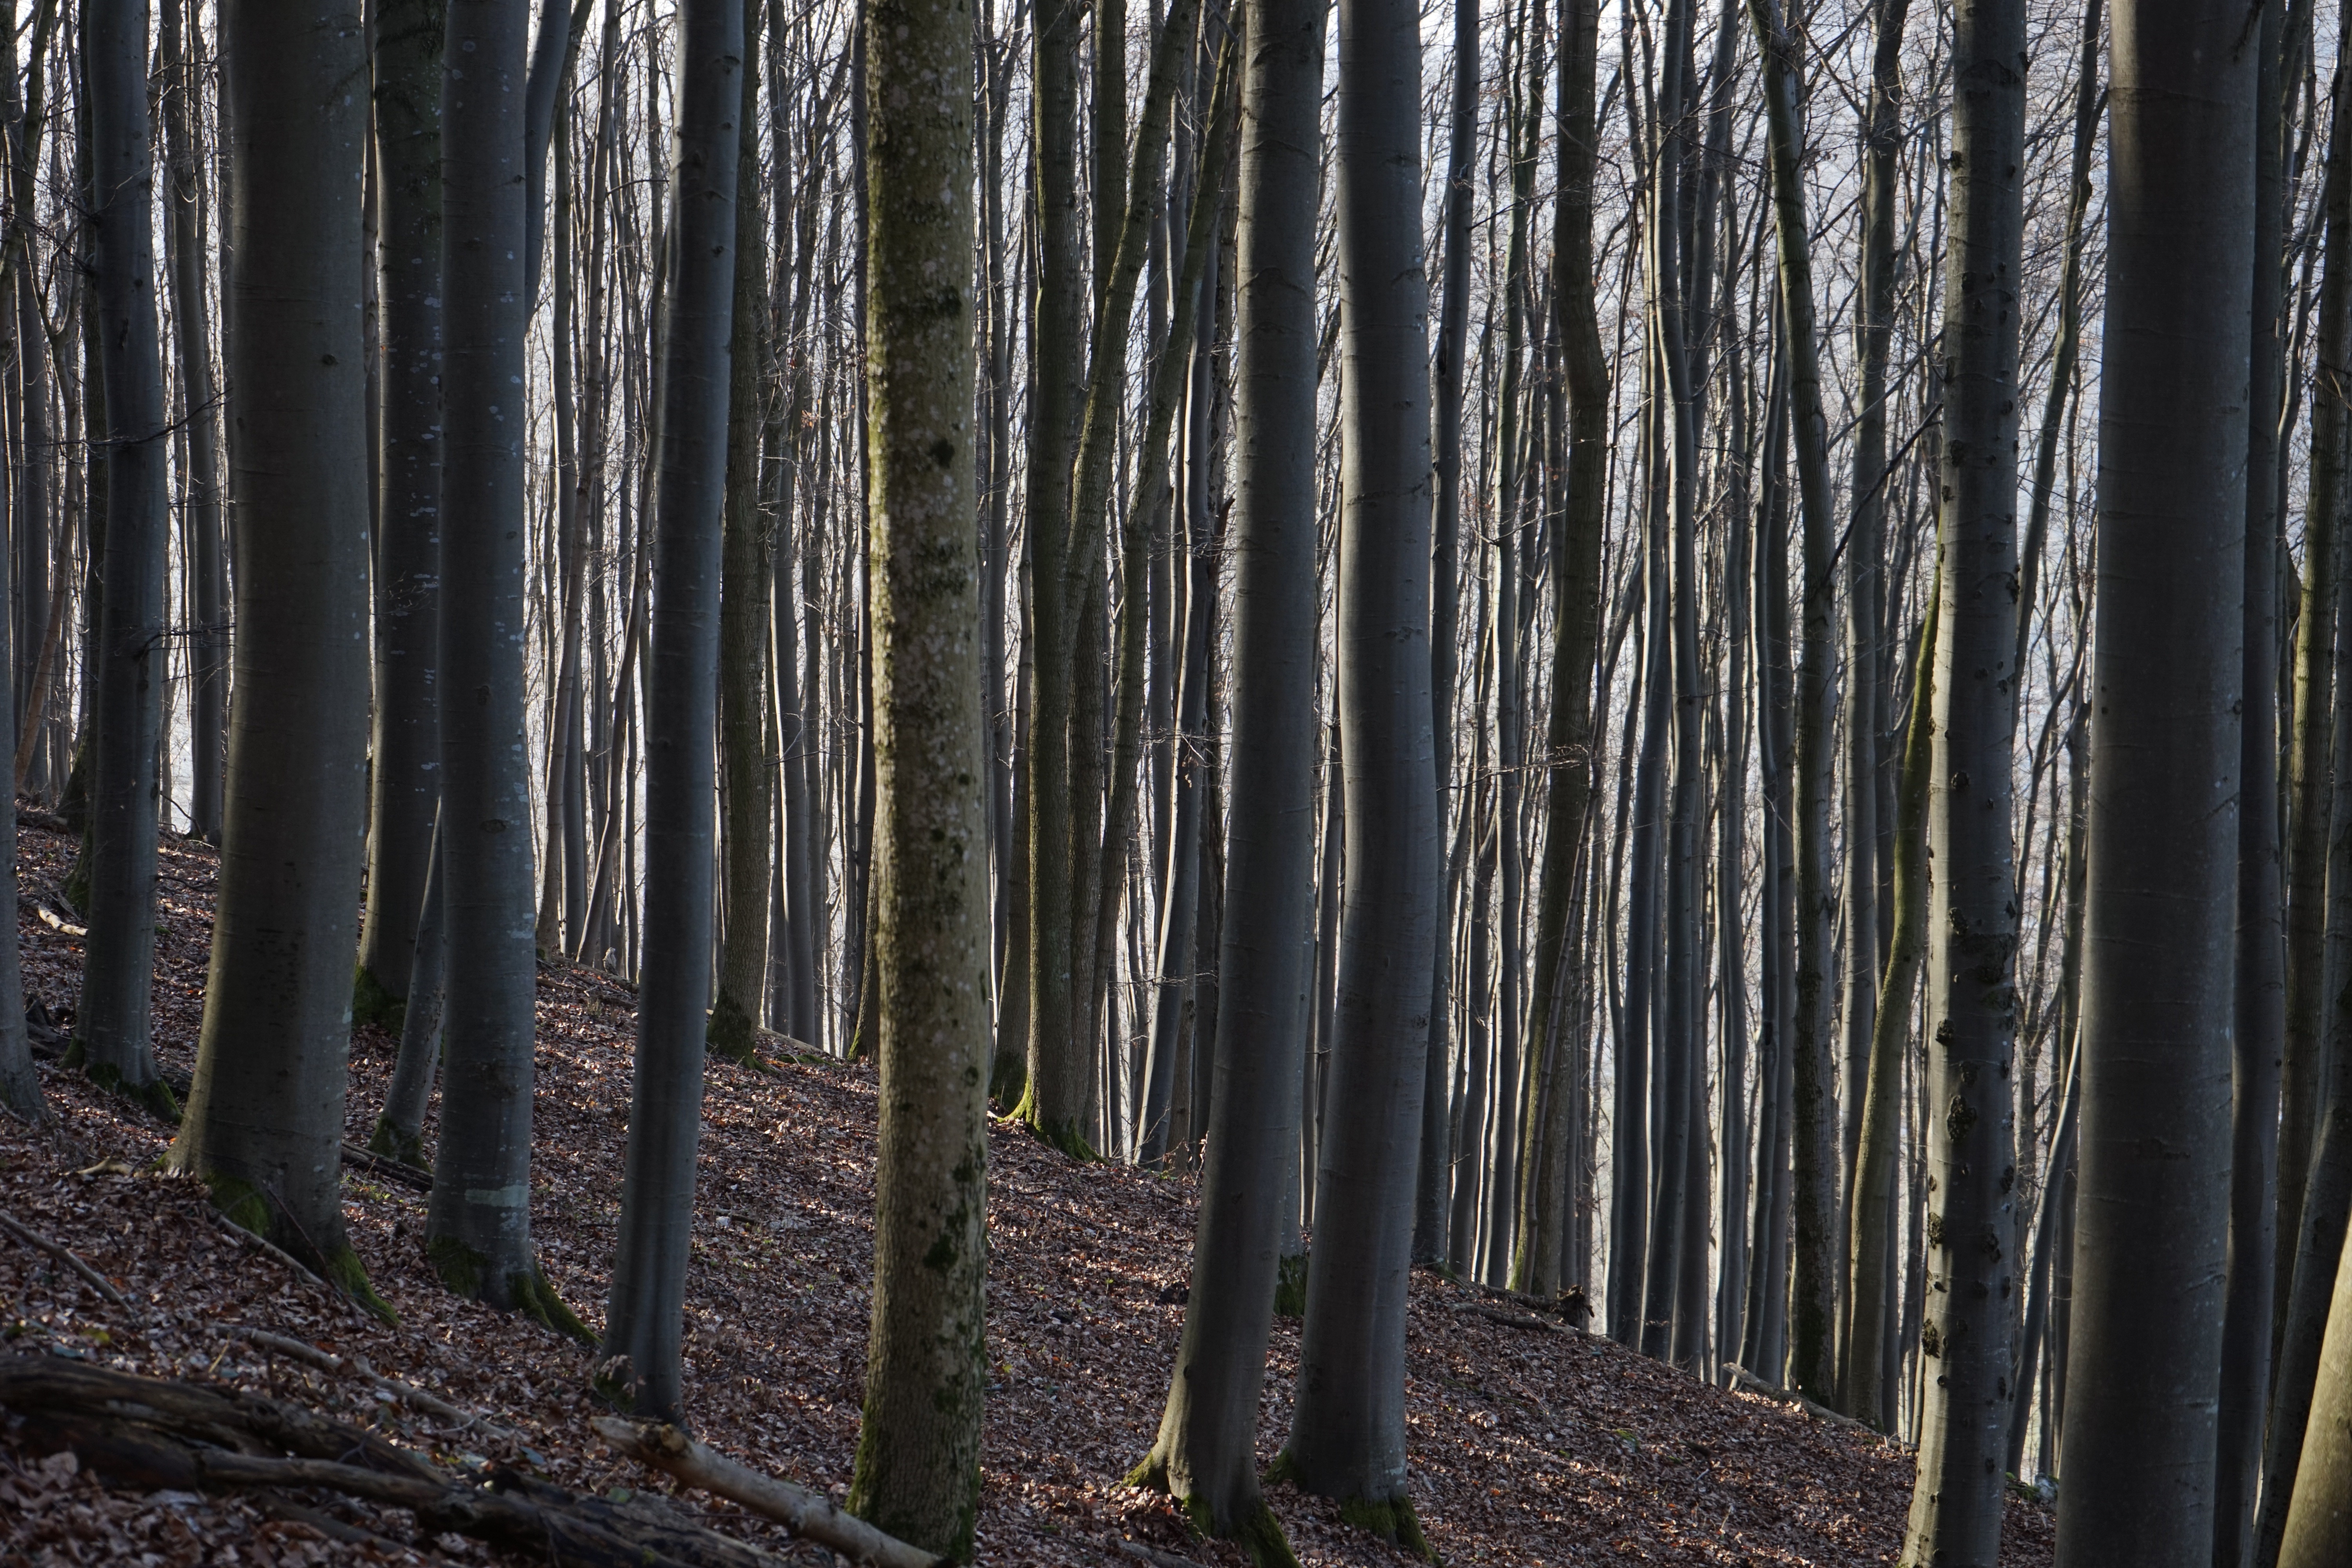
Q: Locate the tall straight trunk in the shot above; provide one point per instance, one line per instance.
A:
(1431, 1211)
(20, 1086)
(265, 1114)
(1865, 561)
(1971, 1000)
(1869, 1378)
(192, 324)
(1812, 1314)
(477, 1223)
(2258, 1016)
(2145, 1372)
(918, 1471)
(399, 1132)
(747, 567)
(1348, 1430)
(1207, 1453)
(113, 1028)
(2318, 1528)
(566, 599)
(2302, 1072)
(405, 747)
(1636, 1130)
(1180, 899)
(640, 1359)
(34, 513)
(1054, 1095)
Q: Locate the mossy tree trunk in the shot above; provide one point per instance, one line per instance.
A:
(2144, 1363)
(1348, 1430)
(265, 1114)
(641, 1360)
(917, 1468)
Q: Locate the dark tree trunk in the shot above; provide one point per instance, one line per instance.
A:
(640, 1359)
(2155, 1173)
(265, 1115)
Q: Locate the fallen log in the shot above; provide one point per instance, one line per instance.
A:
(798, 1510)
(1743, 1378)
(408, 1393)
(154, 1433)
(1503, 1315)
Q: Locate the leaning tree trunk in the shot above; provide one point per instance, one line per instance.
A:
(1812, 1310)
(1971, 1001)
(2144, 1362)
(265, 1116)
(2318, 1530)
(747, 566)
(1206, 1454)
(405, 745)
(1346, 1430)
(113, 1028)
(640, 1358)
(918, 1471)
(478, 1225)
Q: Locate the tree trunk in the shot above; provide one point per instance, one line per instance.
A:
(399, 1132)
(2318, 1530)
(640, 1358)
(2155, 1170)
(113, 1026)
(478, 1225)
(1972, 1279)
(1812, 1311)
(403, 777)
(1348, 1430)
(917, 1472)
(748, 565)
(265, 1114)
(1206, 1454)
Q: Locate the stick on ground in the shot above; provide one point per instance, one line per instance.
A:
(33, 1239)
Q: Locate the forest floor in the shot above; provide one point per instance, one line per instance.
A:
(1530, 1443)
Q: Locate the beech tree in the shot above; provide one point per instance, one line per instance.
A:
(2144, 1370)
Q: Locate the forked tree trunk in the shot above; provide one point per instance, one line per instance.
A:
(1973, 1282)
(477, 1224)
(113, 1028)
(918, 1471)
(2144, 1362)
(639, 1360)
(1348, 1430)
(265, 1114)
(405, 746)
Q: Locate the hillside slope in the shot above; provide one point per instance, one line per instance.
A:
(1530, 1445)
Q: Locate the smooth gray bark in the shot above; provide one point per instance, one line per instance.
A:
(399, 1131)
(1348, 1432)
(405, 778)
(2145, 1362)
(640, 1357)
(265, 1114)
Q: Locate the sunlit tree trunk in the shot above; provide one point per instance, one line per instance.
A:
(918, 1470)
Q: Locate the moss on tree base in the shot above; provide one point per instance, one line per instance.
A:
(1390, 1518)
(465, 1272)
(1290, 1286)
(732, 1033)
(372, 1003)
(393, 1142)
(1258, 1531)
(1063, 1136)
(249, 1208)
(155, 1098)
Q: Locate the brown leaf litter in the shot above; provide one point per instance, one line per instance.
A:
(1527, 1447)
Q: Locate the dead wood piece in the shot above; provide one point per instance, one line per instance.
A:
(1158, 1559)
(1743, 1378)
(802, 1511)
(408, 1393)
(56, 922)
(269, 1248)
(1501, 1315)
(391, 1170)
(326, 1524)
(643, 1517)
(63, 1255)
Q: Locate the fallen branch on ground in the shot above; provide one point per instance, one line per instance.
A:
(35, 1239)
(1743, 1378)
(406, 1392)
(1502, 1315)
(1142, 1553)
(802, 1511)
(391, 1170)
